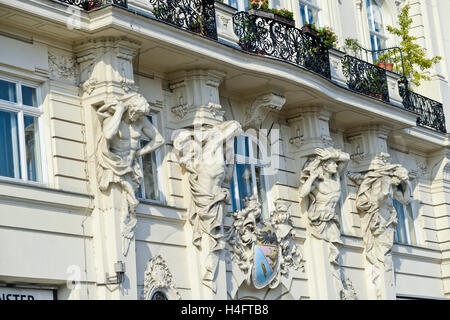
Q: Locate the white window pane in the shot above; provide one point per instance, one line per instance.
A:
(303, 13)
(400, 232)
(29, 96)
(150, 171)
(9, 146)
(241, 146)
(233, 3)
(244, 181)
(262, 192)
(412, 230)
(33, 149)
(8, 91)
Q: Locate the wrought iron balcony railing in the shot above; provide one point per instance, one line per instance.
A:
(365, 78)
(198, 16)
(94, 4)
(431, 113)
(269, 37)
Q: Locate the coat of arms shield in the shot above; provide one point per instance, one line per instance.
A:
(266, 257)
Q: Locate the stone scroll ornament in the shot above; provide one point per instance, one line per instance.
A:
(263, 250)
(158, 281)
(201, 152)
(377, 189)
(124, 123)
(320, 184)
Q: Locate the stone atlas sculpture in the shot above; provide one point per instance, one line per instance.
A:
(320, 182)
(124, 123)
(201, 152)
(377, 189)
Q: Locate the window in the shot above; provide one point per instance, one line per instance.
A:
(249, 176)
(241, 5)
(309, 11)
(150, 188)
(376, 27)
(20, 138)
(405, 232)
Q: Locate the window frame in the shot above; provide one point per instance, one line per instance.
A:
(372, 32)
(23, 110)
(406, 222)
(159, 176)
(253, 162)
(242, 5)
(307, 4)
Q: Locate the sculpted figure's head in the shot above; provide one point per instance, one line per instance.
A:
(330, 166)
(137, 106)
(399, 176)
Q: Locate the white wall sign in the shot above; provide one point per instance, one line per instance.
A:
(7, 293)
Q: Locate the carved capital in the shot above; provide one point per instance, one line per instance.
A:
(196, 97)
(118, 52)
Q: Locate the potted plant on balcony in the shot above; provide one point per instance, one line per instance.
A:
(383, 61)
(327, 37)
(414, 56)
(352, 45)
(261, 8)
(310, 28)
(94, 4)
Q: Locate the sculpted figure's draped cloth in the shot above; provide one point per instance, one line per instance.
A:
(206, 216)
(201, 153)
(377, 189)
(379, 219)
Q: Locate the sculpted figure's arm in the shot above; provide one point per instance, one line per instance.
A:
(156, 139)
(344, 158)
(385, 189)
(111, 125)
(308, 186)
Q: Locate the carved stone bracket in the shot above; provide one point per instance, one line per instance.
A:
(260, 108)
(158, 281)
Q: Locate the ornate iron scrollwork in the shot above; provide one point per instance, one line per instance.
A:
(268, 37)
(365, 78)
(93, 4)
(198, 16)
(431, 112)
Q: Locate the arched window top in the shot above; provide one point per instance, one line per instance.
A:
(159, 295)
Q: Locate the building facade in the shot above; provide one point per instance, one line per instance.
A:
(198, 150)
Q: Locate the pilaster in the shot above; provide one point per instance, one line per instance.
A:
(106, 73)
